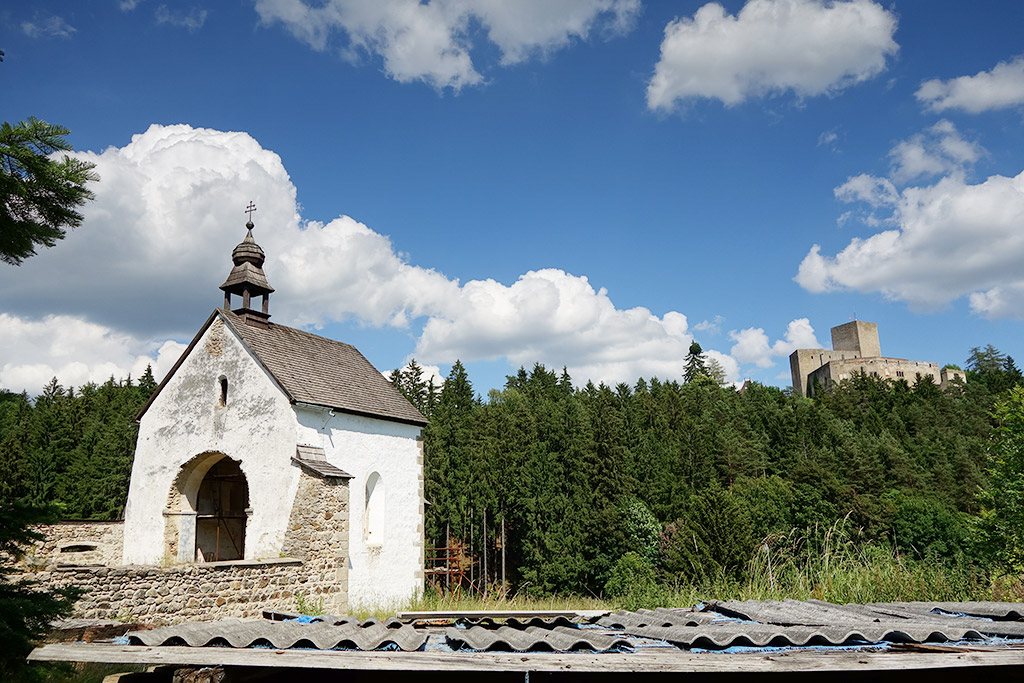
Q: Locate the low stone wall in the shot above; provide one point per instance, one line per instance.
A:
(206, 592)
(77, 543)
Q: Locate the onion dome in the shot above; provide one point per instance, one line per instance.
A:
(248, 280)
(248, 251)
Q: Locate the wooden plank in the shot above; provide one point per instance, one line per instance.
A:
(493, 614)
(638, 662)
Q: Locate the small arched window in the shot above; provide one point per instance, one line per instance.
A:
(373, 515)
(223, 390)
(79, 548)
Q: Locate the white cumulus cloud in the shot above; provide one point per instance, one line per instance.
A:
(155, 244)
(869, 189)
(808, 47)
(938, 150)
(427, 373)
(76, 351)
(556, 318)
(432, 41)
(952, 239)
(998, 88)
(752, 345)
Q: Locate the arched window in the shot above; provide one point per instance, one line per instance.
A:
(373, 515)
(223, 390)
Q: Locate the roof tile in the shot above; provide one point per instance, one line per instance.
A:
(320, 371)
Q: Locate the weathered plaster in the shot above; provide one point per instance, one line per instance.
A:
(256, 427)
(389, 571)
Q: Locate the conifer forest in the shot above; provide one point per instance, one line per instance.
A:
(599, 490)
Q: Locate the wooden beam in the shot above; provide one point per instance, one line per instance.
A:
(663, 660)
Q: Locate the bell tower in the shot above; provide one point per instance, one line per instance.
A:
(247, 279)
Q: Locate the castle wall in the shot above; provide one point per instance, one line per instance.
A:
(385, 554)
(951, 375)
(256, 427)
(889, 368)
(803, 362)
(856, 349)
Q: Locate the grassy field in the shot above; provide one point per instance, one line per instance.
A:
(831, 568)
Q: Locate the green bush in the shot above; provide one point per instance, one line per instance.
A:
(925, 527)
(632, 582)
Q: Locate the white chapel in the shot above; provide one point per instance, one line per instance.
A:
(265, 441)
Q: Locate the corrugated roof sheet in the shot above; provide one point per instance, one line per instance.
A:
(713, 626)
(324, 372)
(732, 634)
(517, 622)
(661, 617)
(986, 610)
(890, 615)
(283, 635)
(532, 639)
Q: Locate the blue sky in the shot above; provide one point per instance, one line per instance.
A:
(590, 183)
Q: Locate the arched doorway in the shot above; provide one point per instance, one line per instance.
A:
(221, 504)
(207, 511)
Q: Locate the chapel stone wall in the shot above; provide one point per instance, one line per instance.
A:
(77, 543)
(318, 534)
(206, 592)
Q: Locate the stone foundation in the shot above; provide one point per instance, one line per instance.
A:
(196, 592)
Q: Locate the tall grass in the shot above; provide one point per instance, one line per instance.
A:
(822, 564)
(832, 566)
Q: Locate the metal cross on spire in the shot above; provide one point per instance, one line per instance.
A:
(249, 209)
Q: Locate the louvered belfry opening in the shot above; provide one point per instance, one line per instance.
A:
(248, 281)
(221, 515)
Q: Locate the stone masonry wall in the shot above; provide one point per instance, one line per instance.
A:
(206, 592)
(318, 534)
(77, 543)
(314, 571)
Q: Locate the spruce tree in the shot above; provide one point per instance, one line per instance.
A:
(695, 365)
(39, 194)
(26, 606)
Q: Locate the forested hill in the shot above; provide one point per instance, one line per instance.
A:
(692, 477)
(72, 447)
(688, 478)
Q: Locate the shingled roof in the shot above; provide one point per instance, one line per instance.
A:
(315, 370)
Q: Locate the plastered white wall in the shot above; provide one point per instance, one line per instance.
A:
(389, 574)
(256, 427)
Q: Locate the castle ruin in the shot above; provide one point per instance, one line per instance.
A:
(855, 348)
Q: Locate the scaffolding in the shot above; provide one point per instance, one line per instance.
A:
(449, 570)
(456, 568)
